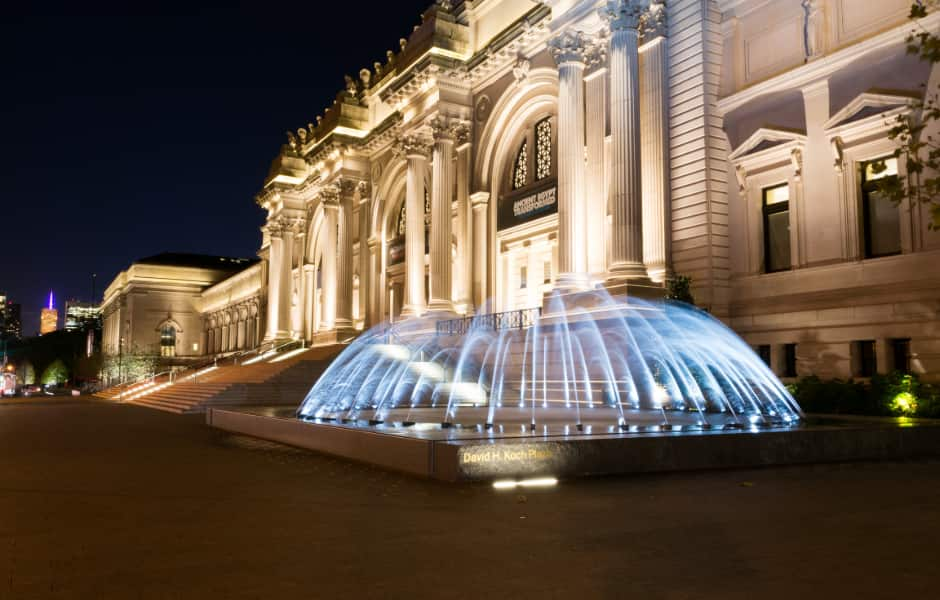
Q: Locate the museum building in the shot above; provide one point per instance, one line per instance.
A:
(508, 148)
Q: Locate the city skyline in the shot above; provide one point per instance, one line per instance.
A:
(167, 115)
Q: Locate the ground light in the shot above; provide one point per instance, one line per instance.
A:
(535, 482)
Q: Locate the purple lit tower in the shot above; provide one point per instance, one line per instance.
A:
(49, 320)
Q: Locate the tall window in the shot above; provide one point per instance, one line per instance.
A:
(520, 171)
(168, 341)
(901, 354)
(543, 149)
(789, 360)
(881, 218)
(776, 207)
(864, 360)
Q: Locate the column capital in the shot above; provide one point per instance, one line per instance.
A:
(413, 145)
(623, 15)
(570, 47)
(291, 225)
(329, 195)
(449, 129)
(479, 199)
(653, 21)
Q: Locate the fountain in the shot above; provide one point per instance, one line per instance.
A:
(590, 363)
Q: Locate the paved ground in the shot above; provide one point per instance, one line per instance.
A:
(104, 501)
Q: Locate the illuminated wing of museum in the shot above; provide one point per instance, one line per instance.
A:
(509, 149)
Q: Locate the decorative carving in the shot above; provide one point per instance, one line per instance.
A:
(461, 132)
(796, 160)
(365, 76)
(741, 175)
(569, 46)
(329, 195)
(362, 188)
(812, 28)
(482, 110)
(838, 153)
(292, 141)
(413, 144)
(444, 5)
(520, 70)
(623, 14)
(351, 88)
(448, 128)
(653, 21)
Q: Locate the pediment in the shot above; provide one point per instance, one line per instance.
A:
(766, 139)
(869, 104)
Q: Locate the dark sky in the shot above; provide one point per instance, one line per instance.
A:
(126, 134)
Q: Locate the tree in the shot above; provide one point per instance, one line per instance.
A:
(55, 373)
(26, 373)
(917, 147)
(679, 288)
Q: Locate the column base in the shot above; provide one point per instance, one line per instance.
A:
(642, 288)
(410, 311)
(573, 282)
(441, 306)
(338, 335)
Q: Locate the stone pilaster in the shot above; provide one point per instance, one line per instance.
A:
(344, 258)
(375, 266)
(654, 139)
(479, 203)
(415, 147)
(595, 97)
(329, 196)
(569, 50)
(365, 271)
(626, 246)
(442, 191)
(464, 221)
(290, 228)
(275, 246)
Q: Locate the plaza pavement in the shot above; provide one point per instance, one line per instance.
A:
(106, 501)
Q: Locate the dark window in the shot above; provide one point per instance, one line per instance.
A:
(520, 171)
(901, 354)
(763, 351)
(776, 207)
(789, 360)
(865, 361)
(881, 218)
(523, 278)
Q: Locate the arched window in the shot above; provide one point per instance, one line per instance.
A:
(543, 149)
(168, 341)
(520, 171)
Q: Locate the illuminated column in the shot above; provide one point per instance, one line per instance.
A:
(464, 222)
(415, 148)
(654, 138)
(595, 97)
(275, 252)
(375, 278)
(309, 274)
(569, 50)
(442, 187)
(626, 248)
(479, 202)
(365, 257)
(330, 198)
(344, 260)
(286, 279)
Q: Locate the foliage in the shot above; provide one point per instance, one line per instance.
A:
(55, 373)
(896, 394)
(679, 287)
(917, 148)
(130, 366)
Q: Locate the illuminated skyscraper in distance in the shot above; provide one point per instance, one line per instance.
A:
(49, 319)
(81, 315)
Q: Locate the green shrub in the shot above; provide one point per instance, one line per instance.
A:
(895, 394)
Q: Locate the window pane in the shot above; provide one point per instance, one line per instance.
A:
(543, 149)
(776, 195)
(873, 169)
(520, 172)
(778, 241)
(883, 225)
(523, 278)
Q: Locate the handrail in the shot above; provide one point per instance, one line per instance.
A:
(522, 318)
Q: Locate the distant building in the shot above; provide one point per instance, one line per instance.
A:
(11, 327)
(80, 316)
(49, 319)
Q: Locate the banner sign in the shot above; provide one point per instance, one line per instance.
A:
(515, 209)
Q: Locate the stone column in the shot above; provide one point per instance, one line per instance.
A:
(569, 51)
(442, 187)
(309, 274)
(286, 280)
(274, 260)
(595, 97)
(654, 139)
(415, 148)
(479, 203)
(464, 222)
(365, 269)
(330, 198)
(626, 246)
(375, 279)
(344, 259)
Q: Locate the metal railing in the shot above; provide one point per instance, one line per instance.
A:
(511, 319)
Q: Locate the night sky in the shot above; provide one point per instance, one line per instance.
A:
(125, 134)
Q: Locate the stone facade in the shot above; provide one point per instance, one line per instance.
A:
(510, 147)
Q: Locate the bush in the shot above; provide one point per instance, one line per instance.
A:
(896, 394)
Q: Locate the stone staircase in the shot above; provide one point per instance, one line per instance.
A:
(268, 382)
